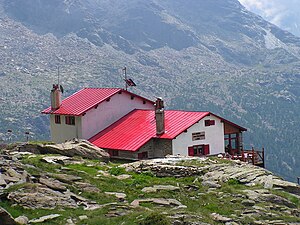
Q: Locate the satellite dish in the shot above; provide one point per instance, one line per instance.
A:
(61, 89)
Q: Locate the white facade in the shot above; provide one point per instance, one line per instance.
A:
(97, 118)
(63, 132)
(214, 137)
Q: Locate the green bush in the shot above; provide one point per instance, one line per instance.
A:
(117, 171)
(155, 218)
(232, 181)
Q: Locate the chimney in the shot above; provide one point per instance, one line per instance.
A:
(159, 116)
(55, 97)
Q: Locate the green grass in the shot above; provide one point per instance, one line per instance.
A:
(199, 201)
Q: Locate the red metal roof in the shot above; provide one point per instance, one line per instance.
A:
(136, 128)
(84, 100)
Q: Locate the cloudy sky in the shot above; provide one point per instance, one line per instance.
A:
(283, 13)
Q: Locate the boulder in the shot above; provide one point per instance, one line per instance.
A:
(6, 218)
(120, 196)
(2, 181)
(44, 218)
(72, 148)
(159, 201)
(53, 184)
(66, 178)
(22, 220)
(40, 197)
(220, 218)
(156, 188)
(87, 187)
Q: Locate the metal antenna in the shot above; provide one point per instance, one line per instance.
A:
(58, 75)
(125, 75)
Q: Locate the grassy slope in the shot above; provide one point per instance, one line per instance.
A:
(200, 203)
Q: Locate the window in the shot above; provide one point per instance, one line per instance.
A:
(57, 119)
(143, 155)
(209, 123)
(198, 136)
(70, 120)
(198, 150)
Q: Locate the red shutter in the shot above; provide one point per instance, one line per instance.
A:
(206, 149)
(191, 151)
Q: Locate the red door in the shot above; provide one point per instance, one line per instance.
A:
(191, 151)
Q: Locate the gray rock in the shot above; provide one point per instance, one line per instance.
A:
(120, 196)
(211, 184)
(70, 222)
(39, 197)
(44, 218)
(66, 178)
(2, 181)
(6, 218)
(156, 188)
(123, 176)
(159, 201)
(63, 160)
(83, 217)
(248, 203)
(87, 187)
(22, 220)
(265, 196)
(220, 218)
(53, 184)
(269, 182)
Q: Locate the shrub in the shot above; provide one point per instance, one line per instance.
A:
(155, 218)
(232, 181)
(117, 171)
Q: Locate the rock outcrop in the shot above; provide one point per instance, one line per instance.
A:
(72, 148)
(172, 186)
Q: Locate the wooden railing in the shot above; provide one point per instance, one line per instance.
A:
(256, 157)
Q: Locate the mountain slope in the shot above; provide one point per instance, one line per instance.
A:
(197, 54)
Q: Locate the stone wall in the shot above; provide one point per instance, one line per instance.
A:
(161, 148)
(156, 148)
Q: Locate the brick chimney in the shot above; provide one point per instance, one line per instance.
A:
(55, 97)
(159, 116)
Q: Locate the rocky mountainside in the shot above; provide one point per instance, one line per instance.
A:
(59, 189)
(197, 54)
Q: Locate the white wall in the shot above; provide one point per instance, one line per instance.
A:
(214, 136)
(62, 132)
(95, 120)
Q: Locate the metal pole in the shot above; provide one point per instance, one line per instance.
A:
(125, 74)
